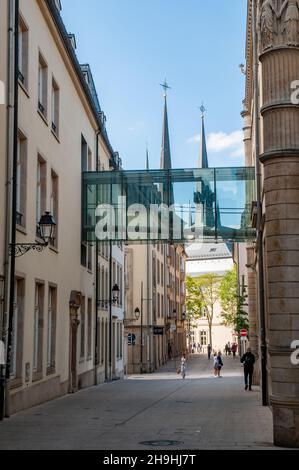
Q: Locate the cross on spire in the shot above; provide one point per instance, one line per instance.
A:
(165, 87)
(203, 110)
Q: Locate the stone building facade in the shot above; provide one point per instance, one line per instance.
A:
(155, 285)
(271, 90)
(61, 133)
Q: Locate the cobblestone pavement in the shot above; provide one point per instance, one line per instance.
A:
(200, 412)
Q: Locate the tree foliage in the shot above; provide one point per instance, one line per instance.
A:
(232, 302)
(202, 294)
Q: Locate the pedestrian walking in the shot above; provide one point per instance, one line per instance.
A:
(209, 351)
(248, 360)
(183, 366)
(215, 364)
(226, 349)
(234, 349)
(169, 351)
(219, 364)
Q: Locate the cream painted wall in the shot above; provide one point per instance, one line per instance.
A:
(61, 267)
(220, 334)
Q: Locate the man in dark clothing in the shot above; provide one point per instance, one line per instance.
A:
(209, 351)
(248, 360)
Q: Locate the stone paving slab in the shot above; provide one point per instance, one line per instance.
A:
(200, 412)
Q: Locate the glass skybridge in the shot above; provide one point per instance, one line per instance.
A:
(173, 206)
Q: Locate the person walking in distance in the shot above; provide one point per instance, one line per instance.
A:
(183, 366)
(234, 349)
(219, 364)
(215, 364)
(248, 360)
(209, 351)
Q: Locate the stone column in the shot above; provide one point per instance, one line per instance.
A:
(279, 56)
(251, 259)
(253, 312)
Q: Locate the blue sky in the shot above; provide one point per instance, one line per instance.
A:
(132, 45)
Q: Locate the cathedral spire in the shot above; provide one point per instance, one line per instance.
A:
(165, 149)
(203, 154)
(147, 165)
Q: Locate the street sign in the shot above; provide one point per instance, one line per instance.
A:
(131, 339)
(243, 338)
(158, 331)
(243, 333)
(172, 328)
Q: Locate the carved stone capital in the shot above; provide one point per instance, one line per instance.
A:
(278, 23)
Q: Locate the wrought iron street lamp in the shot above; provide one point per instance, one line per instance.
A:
(137, 313)
(46, 231)
(114, 299)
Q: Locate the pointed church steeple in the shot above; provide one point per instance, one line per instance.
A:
(203, 154)
(165, 149)
(147, 165)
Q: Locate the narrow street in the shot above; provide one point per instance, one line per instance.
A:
(200, 412)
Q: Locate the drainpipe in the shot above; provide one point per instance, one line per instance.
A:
(149, 315)
(11, 196)
(260, 248)
(96, 343)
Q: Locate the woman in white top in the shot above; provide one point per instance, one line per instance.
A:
(183, 366)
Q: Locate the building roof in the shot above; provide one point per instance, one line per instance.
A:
(206, 251)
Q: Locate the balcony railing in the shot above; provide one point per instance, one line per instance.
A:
(41, 107)
(19, 218)
(21, 77)
(54, 128)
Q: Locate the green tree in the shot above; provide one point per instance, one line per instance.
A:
(232, 302)
(202, 295)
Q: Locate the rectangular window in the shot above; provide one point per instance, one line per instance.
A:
(121, 287)
(106, 285)
(38, 328)
(17, 330)
(23, 52)
(203, 338)
(54, 205)
(21, 180)
(89, 256)
(82, 324)
(158, 272)
(154, 306)
(86, 165)
(89, 328)
(51, 330)
(84, 154)
(117, 340)
(154, 272)
(162, 275)
(55, 107)
(103, 343)
(41, 191)
(118, 281)
(42, 86)
(121, 340)
(113, 273)
(158, 305)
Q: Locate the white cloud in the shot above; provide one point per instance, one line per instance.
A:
(220, 141)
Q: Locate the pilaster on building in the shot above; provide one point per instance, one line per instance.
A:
(278, 60)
